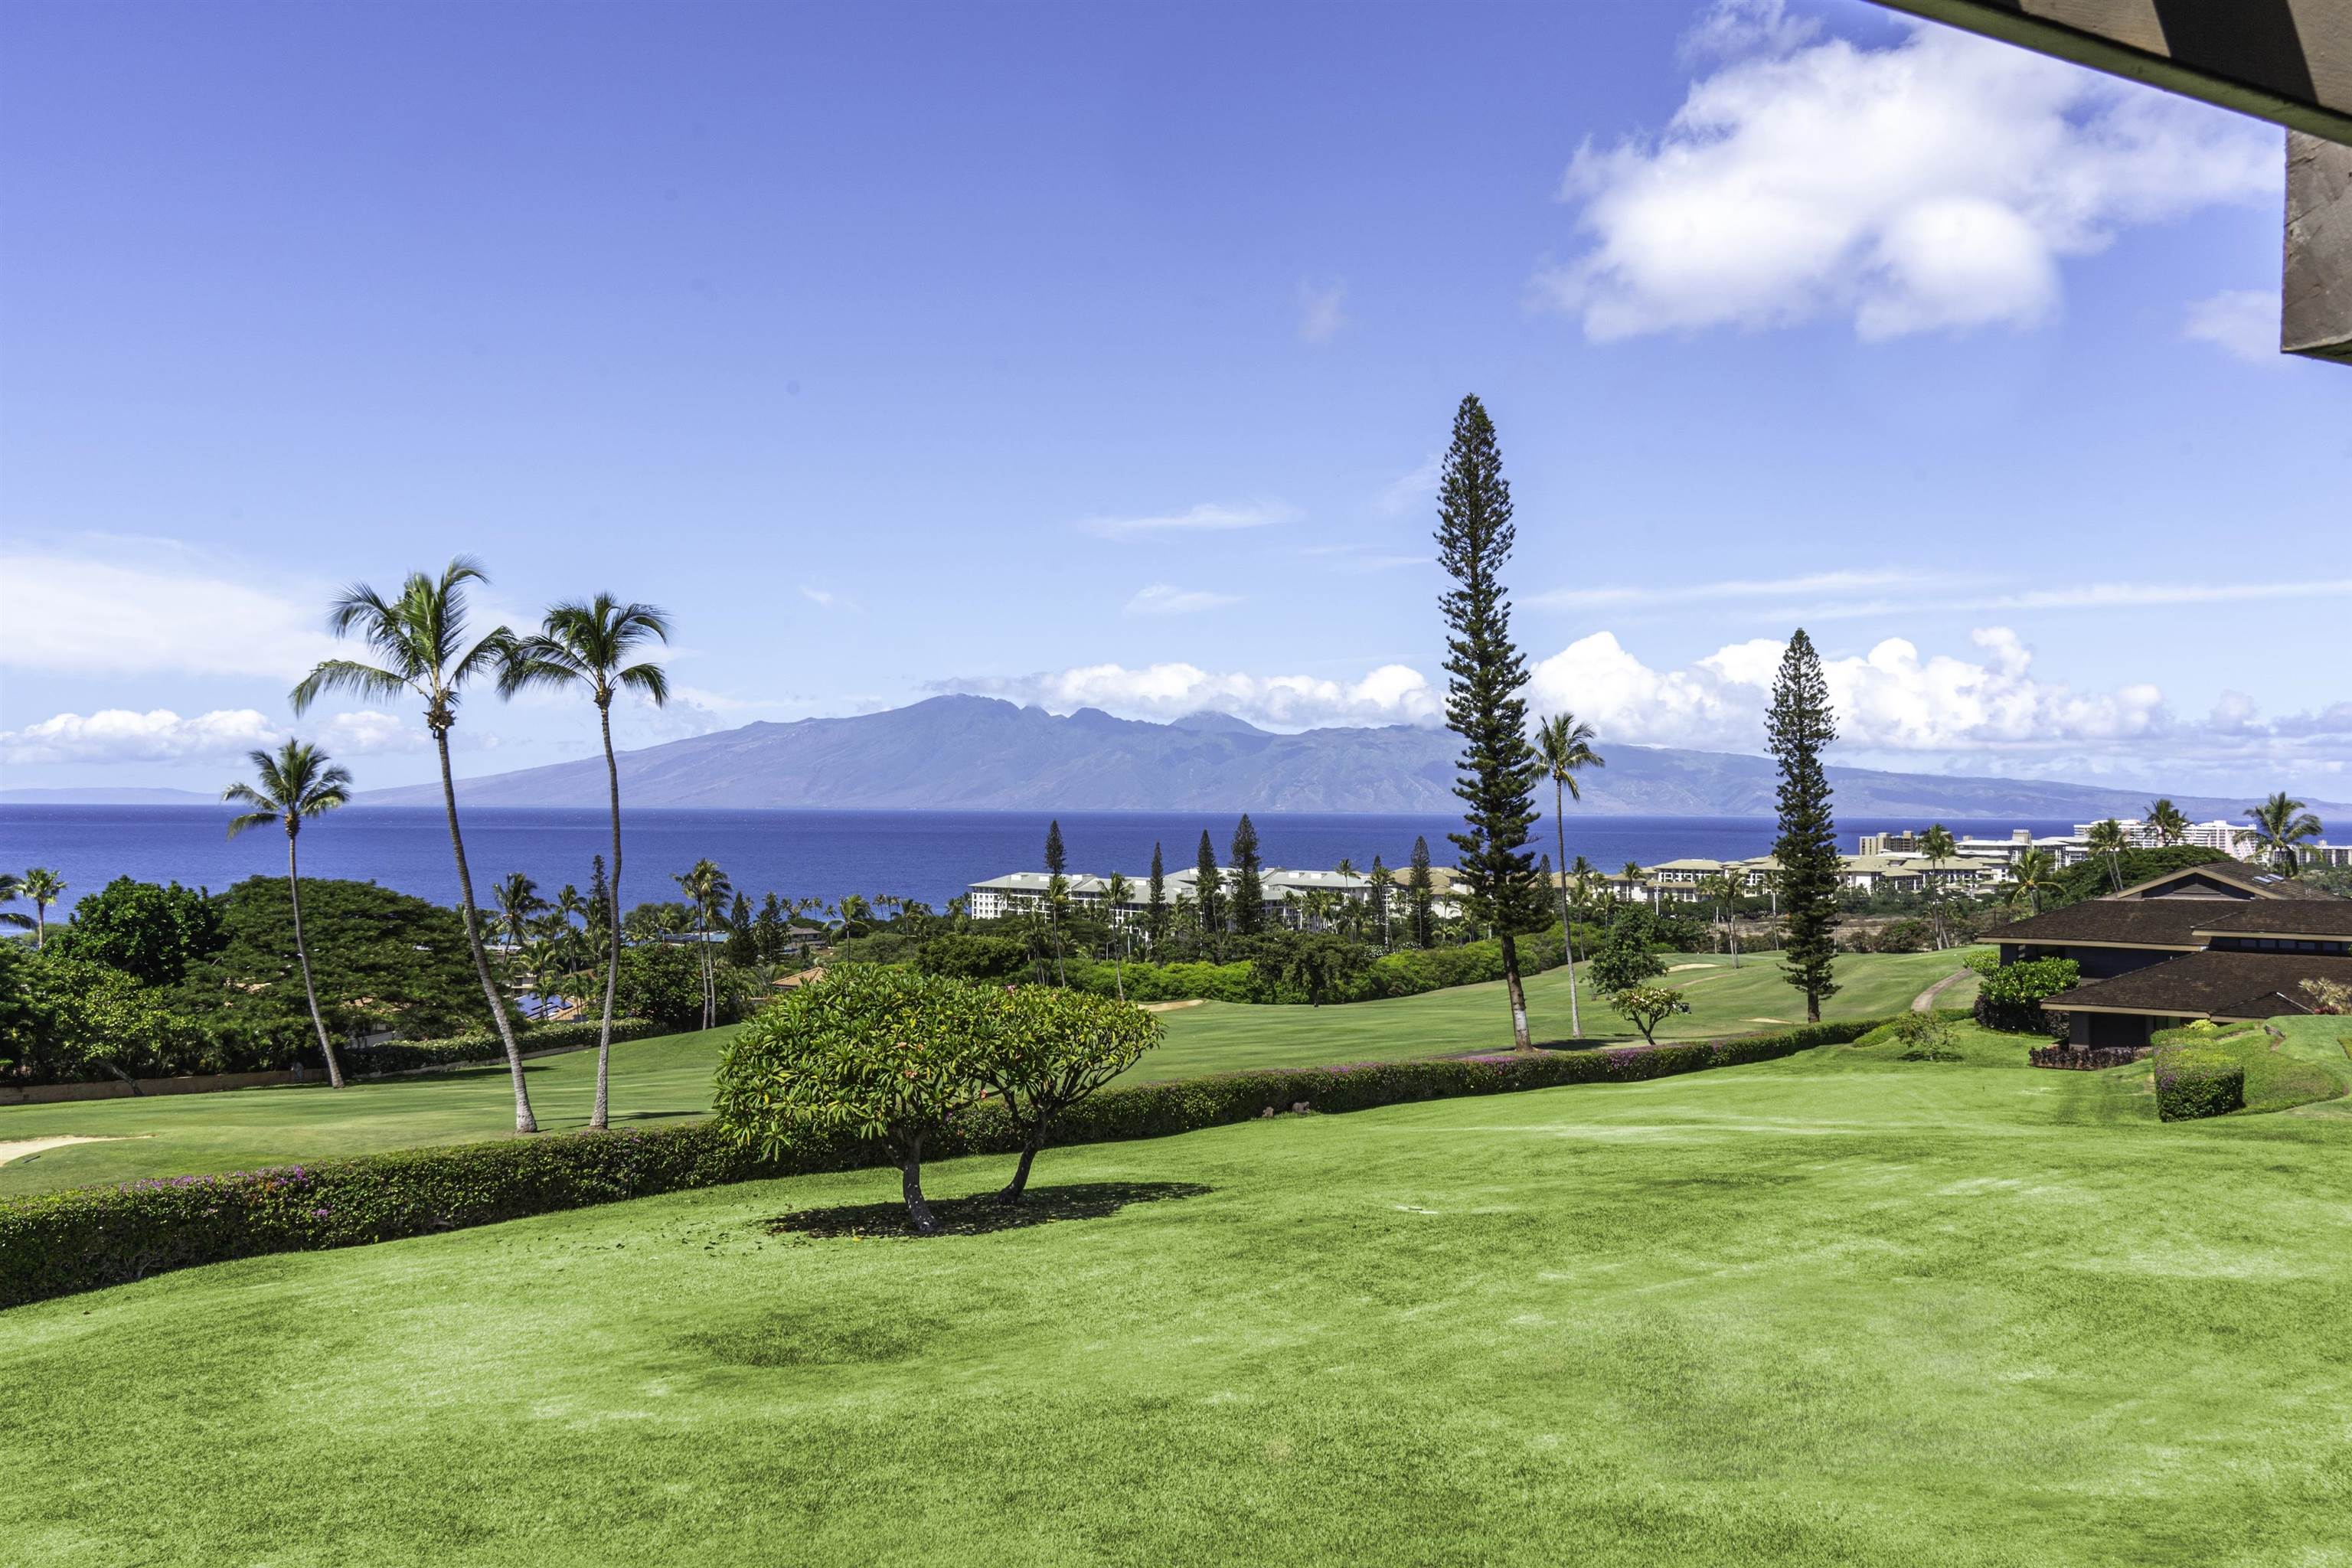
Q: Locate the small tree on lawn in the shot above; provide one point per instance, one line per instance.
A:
(1628, 956)
(880, 1054)
(1042, 1051)
(1647, 1006)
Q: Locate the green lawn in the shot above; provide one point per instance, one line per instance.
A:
(166, 1135)
(2308, 1063)
(1834, 1309)
(669, 1077)
(1222, 1036)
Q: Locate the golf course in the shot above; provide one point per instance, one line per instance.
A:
(668, 1078)
(1842, 1308)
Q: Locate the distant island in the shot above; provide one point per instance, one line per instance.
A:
(981, 753)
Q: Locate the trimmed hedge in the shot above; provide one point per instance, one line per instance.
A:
(2192, 1081)
(484, 1046)
(85, 1238)
(2010, 996)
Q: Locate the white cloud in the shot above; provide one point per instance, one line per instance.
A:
(1320, 315)
(821, 597)
(85, 617)
(1391, 694)
(1889, 699)
(1934, 185)
(2241, 322)
(1408, 491)
(1733, 27)
(1206, 518)
(1166, 599)
(118, 735)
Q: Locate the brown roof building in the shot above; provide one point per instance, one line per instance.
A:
(2225, 941)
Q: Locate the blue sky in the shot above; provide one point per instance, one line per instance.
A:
(1100, 354)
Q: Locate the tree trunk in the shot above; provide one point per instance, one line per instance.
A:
(1567, 937)
(524, 1122)
(302, 952)
(1519, 1040)
(1020, 1183)
(910, 1178)
(599, 1115)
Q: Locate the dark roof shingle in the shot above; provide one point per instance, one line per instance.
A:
(2210, 985)
(2139, 922)
(2319, 920)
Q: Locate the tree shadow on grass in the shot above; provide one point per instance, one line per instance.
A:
(982, 1214)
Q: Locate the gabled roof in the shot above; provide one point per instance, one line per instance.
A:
(2225, 986)
(2307, 919)
(2131, 923)
(2242, 880)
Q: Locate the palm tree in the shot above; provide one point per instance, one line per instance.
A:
(1938, 843)
(44, 887)
(297, 784)
(1115, 892)
(420, 636)
(2035, 872)
(1723, 892)
(590, 645)
(1564, 748)
(2110, 838)
(2165, 820)
(519, 903)
(2280, 826)
(708, 891)
(11, 885)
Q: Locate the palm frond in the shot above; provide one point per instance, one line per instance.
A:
(346, 675)
(649, 680)
(237, 824)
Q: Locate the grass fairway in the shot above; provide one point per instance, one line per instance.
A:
(1837, 1309)
(669, 1077)
(168, 1135)
(1222, 1036)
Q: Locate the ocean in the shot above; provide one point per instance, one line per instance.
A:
(927, 855)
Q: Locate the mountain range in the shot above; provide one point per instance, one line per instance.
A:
(985, 754)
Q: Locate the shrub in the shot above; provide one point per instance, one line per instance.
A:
(961, 957)
(2192, 1081)
(2010, 995)
(872, 1052)
(149, 932)
(1925, 1037)
(82, 1239)
(663, 980)
(1410, 973)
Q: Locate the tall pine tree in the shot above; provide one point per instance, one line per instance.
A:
(1420, 887)
(1248, 896)
(1485, 673)
(1381, 879)
(1058, 892)
(1155, 906)
(1797, 728)
(1208, 895)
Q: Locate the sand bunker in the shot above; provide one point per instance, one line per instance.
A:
(16, 1149)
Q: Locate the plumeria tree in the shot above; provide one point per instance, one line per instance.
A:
(1045, 1050)
(873, 1053)
(296, 783)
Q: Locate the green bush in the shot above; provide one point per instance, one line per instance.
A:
(58, 1243)
(969, 957)
(2197, 1080)
(2010, 996)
